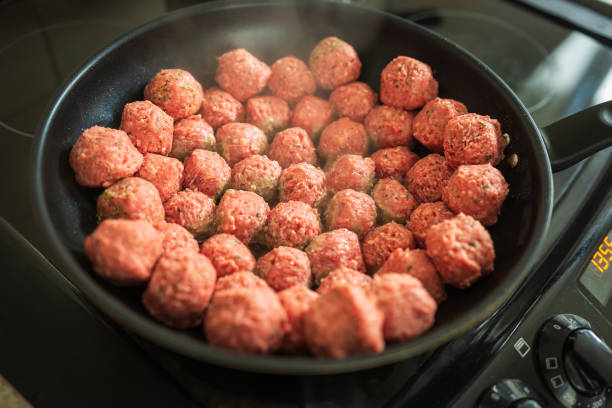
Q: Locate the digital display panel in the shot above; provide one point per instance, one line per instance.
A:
(597, 277)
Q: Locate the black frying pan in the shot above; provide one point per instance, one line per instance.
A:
(191, 39)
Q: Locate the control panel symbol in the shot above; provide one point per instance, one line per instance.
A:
(521, 347)
(557, 381)
(551, 363)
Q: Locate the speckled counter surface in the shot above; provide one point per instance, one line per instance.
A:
(10, 397)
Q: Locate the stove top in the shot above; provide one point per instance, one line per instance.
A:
(57, 350)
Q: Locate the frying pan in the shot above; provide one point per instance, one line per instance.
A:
(191, 39)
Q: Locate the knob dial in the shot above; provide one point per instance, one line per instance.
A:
(509, 393)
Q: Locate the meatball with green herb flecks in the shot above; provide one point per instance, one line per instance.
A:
(228, 254)
(176, 91)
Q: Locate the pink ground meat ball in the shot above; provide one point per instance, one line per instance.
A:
(379, 243)
(242, 214)
(192, 210)
(296, 301)
(165, 173)
(206, 172)
(189, 134)
(180, 288)
(427, 177)
(237, 141)
(478, 190)
(408, 309)
(175, 91)
(394, 162)
(342, 136)
(257, 174)
(242, 279)
(302, 182)
(407, 83)
(462, 250)
(249, 321)
(176, 237)
(416, 263)
(353, 100)
(241, 74)
(332, 250)
(428, 125)
(148, 127)
(312, 114)
(426, 215)
(292, 224)
(473, 139)
(292, 146)
(352, 210)
(133, 198)
(284, 267)
(344, 276)
(269, 113)
(334, 62)
(393, 200)
(102, 156)
(389, 127)
(124, 251)
(344, 321)
(220, 107)
(351, 171)
(291, 79)
(228, 254)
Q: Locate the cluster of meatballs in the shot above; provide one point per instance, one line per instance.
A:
(356, 235)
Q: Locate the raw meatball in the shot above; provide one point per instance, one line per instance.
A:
(206, 172)
(292, 146)
(102, 156)
(426, 215)
(269, 113)
(478, 190)
(220, 107)
(462, 250)
(353, 100)
(180, 288)
(473, 139)
(332, 250)
(284, 267)
(416, 263)
(257, 174)
(342, 136)
(246, 321)
(192, 210)
(351, 171)
(407, 83)
(353, 210)
(302, 182)
(124, 251)
(133, 198)
(237, 141)
(176, 237)
(296, 301)
(228, 254)
(312, 114)
(394, 162)
(291, 79)
(191, 133)
(427, 177)
(148, 127)
(389, 127)
(344, 321)
(408, 309)
(241, 74)
(165, 173)
(428, 125)
(379, 243)
(242, 279)
(393, 200)
(344, 276)
(242, 214)
(175, 91)
(292, 224)
(334, 62)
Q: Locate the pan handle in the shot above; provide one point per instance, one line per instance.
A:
(578, 136)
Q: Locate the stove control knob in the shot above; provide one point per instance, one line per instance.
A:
(510, 393)
(575, 364)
